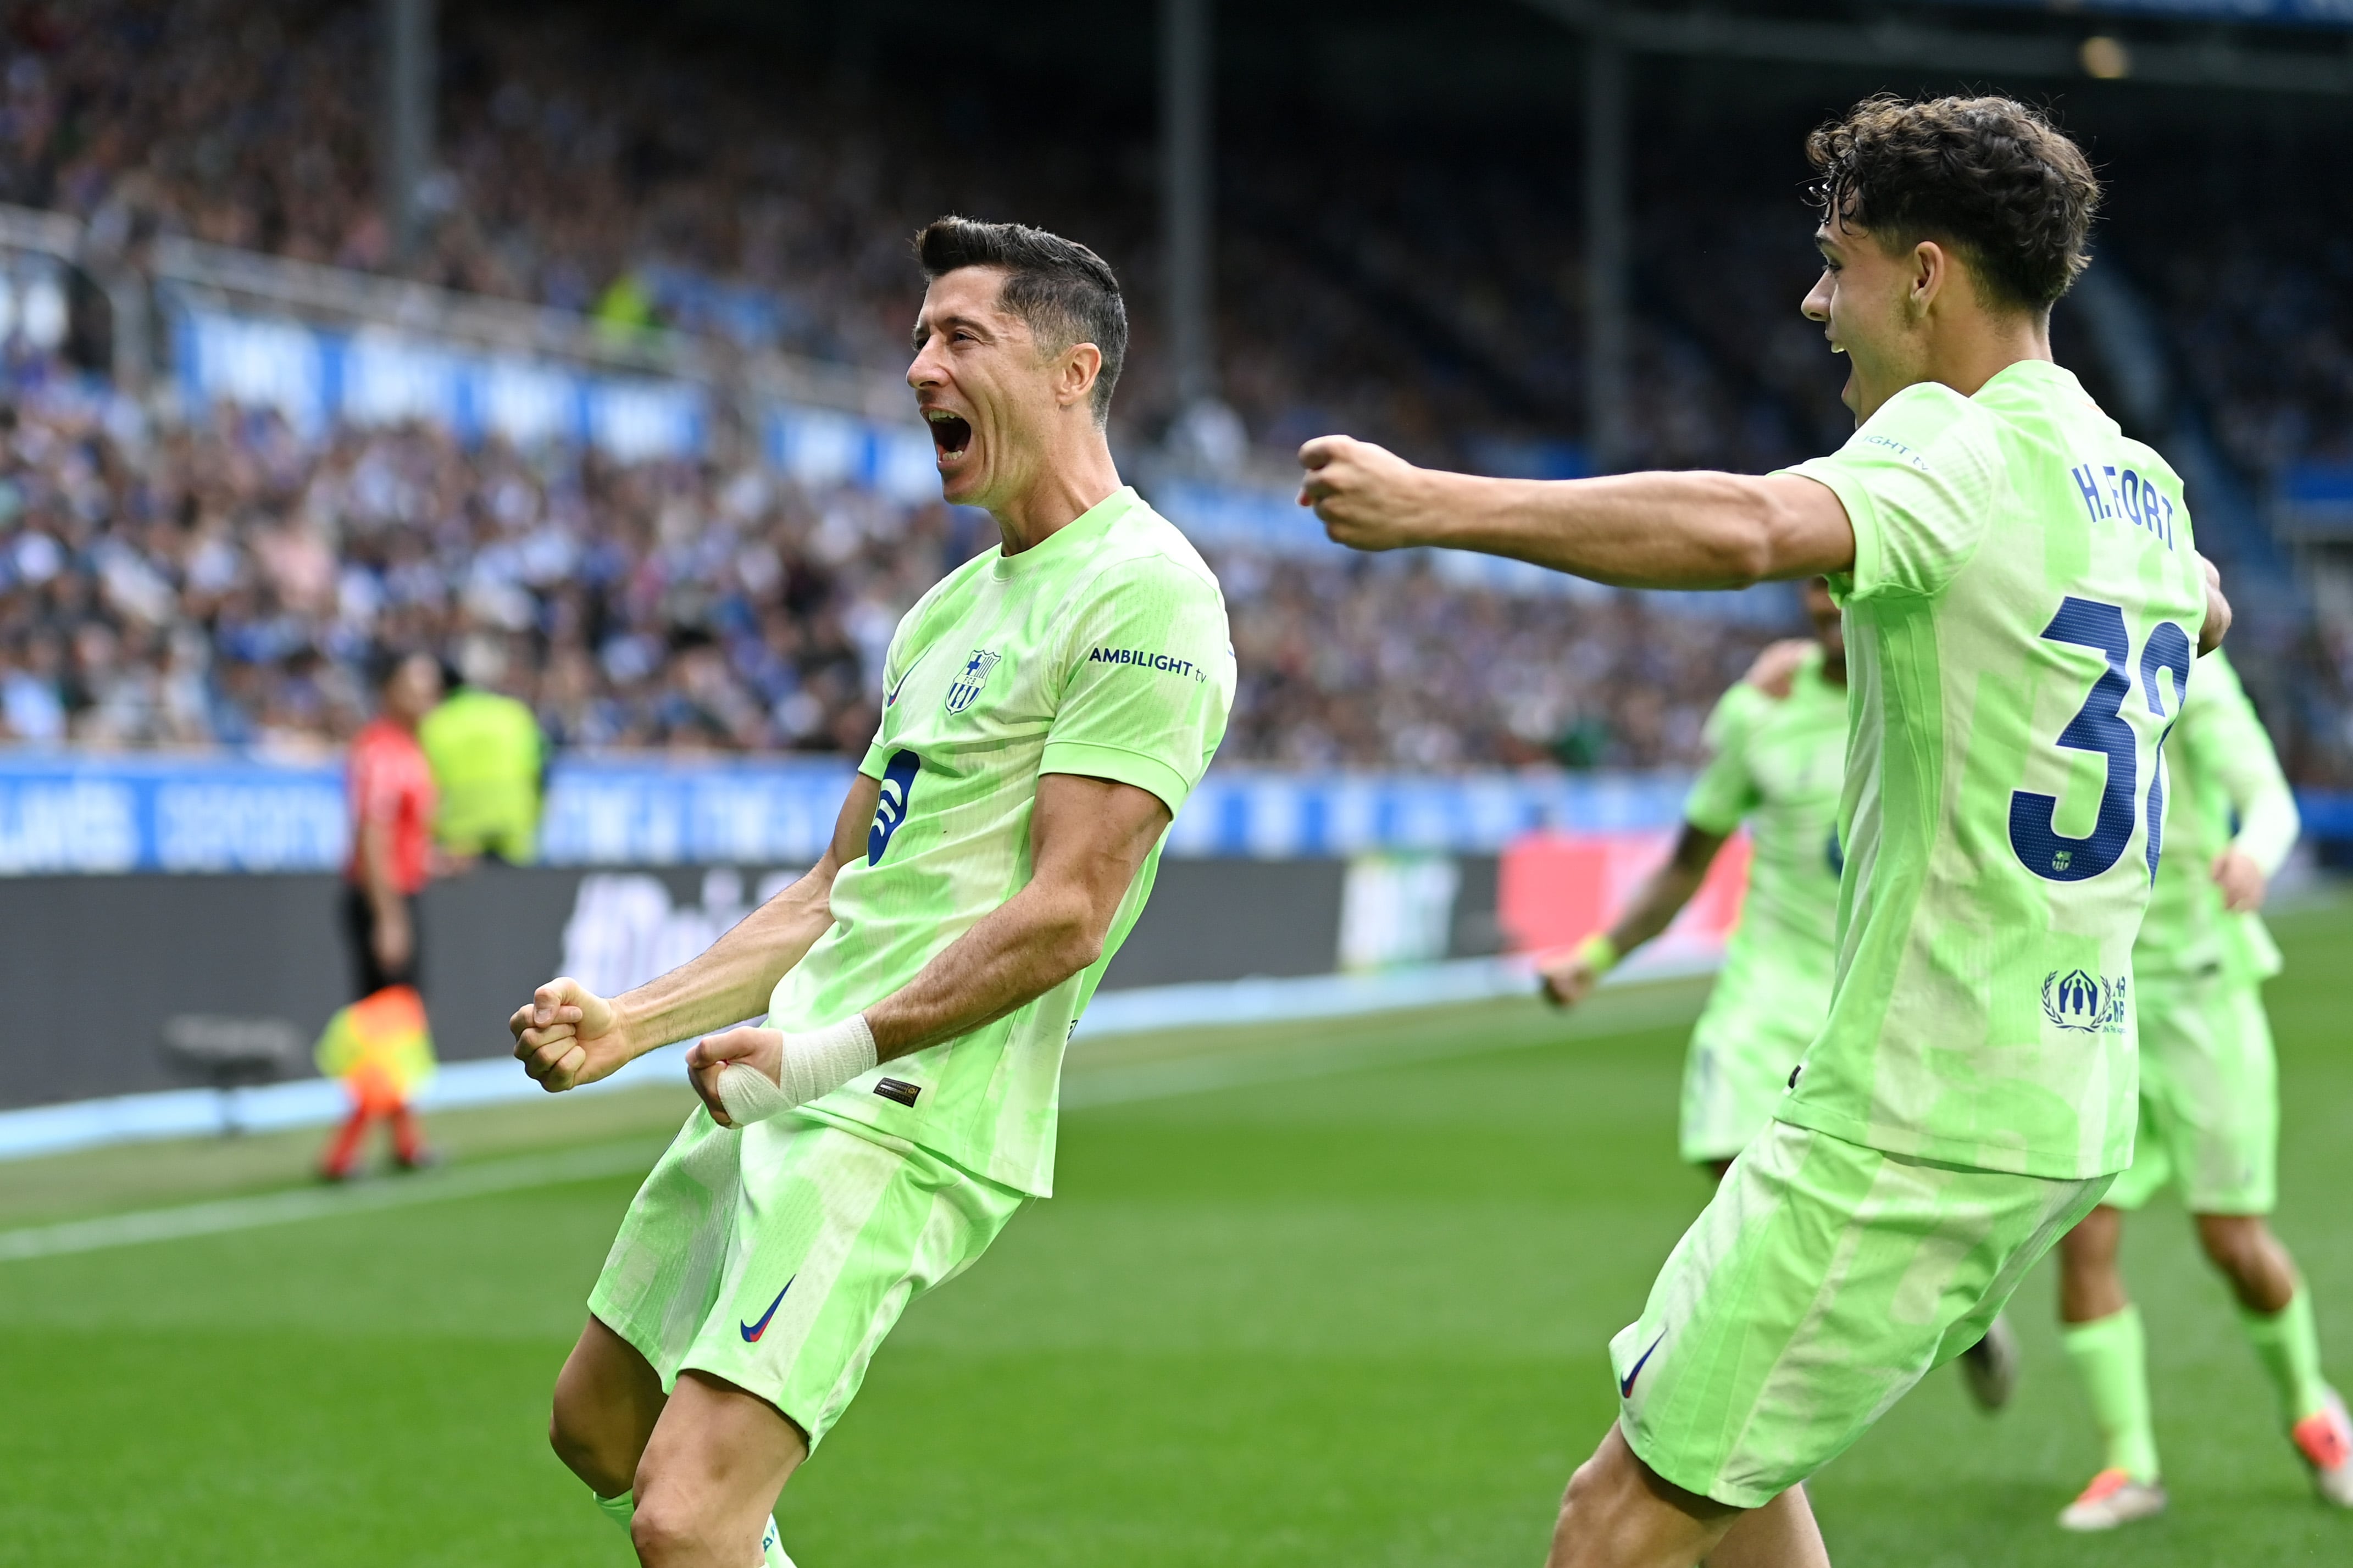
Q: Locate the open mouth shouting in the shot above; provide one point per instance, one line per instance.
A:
(951, 437)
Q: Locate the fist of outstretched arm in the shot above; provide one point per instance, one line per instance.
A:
(566, 1036)
(1367, 497)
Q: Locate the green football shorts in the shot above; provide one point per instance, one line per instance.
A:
(1761, 1015)
(1823, 1283)
(777, 1257)
(2209, 1098)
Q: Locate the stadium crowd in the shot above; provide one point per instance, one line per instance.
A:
(219, 581)
(224, 581)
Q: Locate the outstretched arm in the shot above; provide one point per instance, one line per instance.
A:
(1697, 530)
(566, 1035)
(1088, 838)
(1569, 979)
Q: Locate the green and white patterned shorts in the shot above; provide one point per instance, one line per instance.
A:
(777, 1257)
(2209, 1098)
(1823, 1283)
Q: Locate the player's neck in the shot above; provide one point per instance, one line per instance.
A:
(1980, 345)
(1066, 485)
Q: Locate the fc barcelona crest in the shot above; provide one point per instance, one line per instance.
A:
(971, 679)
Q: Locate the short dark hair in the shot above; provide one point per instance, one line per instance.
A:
(1066, 293)
(384, 663)
(1988, 176)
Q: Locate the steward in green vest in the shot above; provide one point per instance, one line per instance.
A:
(488, 760)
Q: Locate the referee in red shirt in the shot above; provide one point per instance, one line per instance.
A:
(391, 790)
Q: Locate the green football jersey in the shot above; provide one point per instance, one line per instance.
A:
(2021, 617)
(1100, 650)
(2219, 770)
(1775, 763)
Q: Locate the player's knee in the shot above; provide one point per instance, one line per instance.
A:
(587, 1446)
(666, 1526)
(2239, 1247)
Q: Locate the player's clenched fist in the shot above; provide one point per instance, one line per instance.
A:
(1367, 496)
(566, 1036)
(1569, 979)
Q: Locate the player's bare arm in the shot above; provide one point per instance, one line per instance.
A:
(1088, 838)
(1698, 529)
(1571, 977)
(566, 1036)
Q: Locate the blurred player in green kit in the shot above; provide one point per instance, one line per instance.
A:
(2208, 1109)
(1777, 761)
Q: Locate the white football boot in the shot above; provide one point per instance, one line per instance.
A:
(2114, 1498)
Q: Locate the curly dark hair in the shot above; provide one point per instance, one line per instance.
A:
(1066, 293)
(1988, 176)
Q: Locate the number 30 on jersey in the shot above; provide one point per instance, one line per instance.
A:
(2100, 726)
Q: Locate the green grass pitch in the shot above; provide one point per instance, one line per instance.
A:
(1332, 1293)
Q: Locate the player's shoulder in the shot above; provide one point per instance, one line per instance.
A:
(959, 579)
(1736, 712)
(1929, 422)
(2147, 461)
(1144, 552)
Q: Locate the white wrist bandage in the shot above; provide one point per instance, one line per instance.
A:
(812, 1064)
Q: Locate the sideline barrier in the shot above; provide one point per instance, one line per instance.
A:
(317, 1102)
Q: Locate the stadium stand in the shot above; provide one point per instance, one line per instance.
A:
(214, 580)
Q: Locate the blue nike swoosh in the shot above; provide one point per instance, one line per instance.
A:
(1625, 1387)
(891, 700)
(752, 1332)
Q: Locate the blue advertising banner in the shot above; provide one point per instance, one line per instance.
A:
(67, 812)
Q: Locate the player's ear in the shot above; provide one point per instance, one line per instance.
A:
(1075, 383)
(1932, 273)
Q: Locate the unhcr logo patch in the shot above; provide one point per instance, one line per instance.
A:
(2085, 1003)
(971, 679)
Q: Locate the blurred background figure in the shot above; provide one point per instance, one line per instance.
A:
(375, 1044)
(488, 762)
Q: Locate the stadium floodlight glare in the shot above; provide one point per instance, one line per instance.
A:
(2105, 57)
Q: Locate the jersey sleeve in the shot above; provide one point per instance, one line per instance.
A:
(1148, 676)
(1918, 481)
(1725, 791)
(2230, 745)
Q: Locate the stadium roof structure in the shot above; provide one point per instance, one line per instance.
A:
(2178, 42)
(2287, 13)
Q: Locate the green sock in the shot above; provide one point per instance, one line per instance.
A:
(2111, 1358)
(2289, 1348)
(619, 1510)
